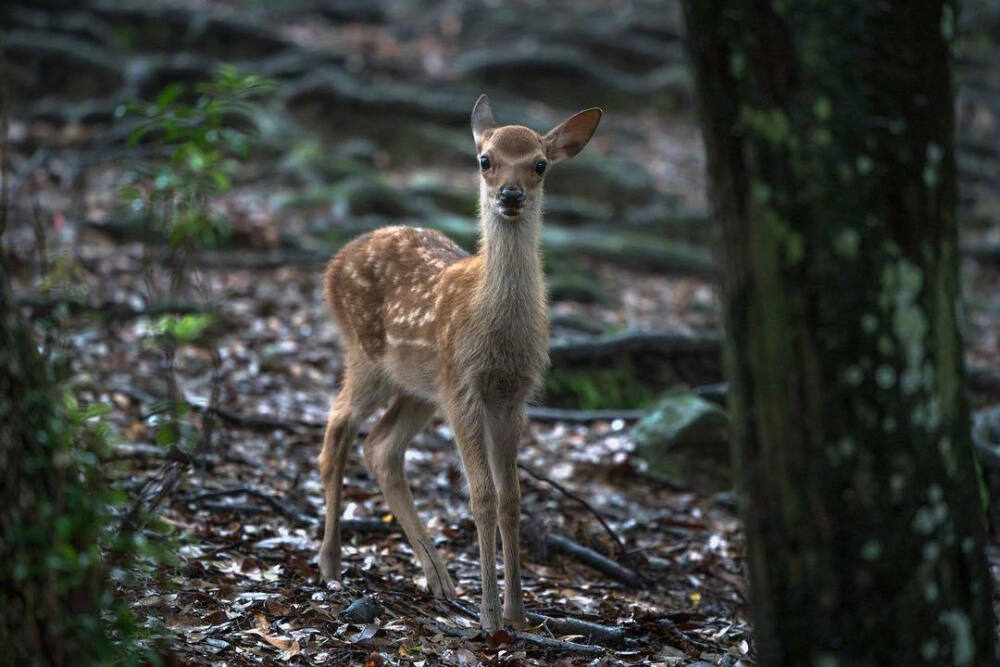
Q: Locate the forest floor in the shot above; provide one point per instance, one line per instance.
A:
(243, 527)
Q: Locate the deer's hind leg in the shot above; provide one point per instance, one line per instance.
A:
(364, 389)
(385, 449)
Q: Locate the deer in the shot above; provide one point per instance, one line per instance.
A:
(425, 326)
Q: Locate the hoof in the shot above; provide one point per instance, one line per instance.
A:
(329, 566)
(489, 620)
(517, 623)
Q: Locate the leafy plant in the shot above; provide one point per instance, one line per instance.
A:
(201, 137)
(61, 538)
(203, 142)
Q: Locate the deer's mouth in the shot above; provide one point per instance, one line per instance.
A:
(510, 210)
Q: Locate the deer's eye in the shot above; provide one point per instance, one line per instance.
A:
(484, 162)
(540, 167)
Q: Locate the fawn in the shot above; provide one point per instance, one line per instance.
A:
(426, 325)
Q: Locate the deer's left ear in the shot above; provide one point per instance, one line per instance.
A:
(566, 140)
(482, 118)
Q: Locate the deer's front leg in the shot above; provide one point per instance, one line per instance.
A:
(505, 431)
(469, 428)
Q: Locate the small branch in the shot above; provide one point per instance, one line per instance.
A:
(262, 422)
(569, 494)
(594, 632)
(273, 503)
(215, 395)
(693, 644)
(595, 560)
(523, 637)
(36, 160)
(556, 644)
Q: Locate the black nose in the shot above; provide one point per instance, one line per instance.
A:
(511, 195)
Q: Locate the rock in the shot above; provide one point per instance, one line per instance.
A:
(686, 438)
(362, 610)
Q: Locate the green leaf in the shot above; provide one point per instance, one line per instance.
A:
(168, 95)
(95, 410)
(221, 180)
(166, 435)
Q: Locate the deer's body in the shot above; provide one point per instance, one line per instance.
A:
(427, 326)
(420, 311)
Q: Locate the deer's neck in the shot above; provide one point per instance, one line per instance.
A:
(512, 287)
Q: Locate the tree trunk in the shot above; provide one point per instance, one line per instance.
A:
(53, 585)
(829, 133)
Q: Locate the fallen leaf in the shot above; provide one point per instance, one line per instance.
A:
(290, 646)
(499, 638)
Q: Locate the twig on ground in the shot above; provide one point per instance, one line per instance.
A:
(36, 160)
(686, 638)
(595, 560)
(556, 644)
(569, 494)
(594, 632)
(524, 637)
(261, 421)
(272, 502)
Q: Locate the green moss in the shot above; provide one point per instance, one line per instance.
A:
(597, 388)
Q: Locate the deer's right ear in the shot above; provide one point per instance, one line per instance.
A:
(482, 118)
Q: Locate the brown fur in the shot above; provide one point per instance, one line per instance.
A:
(426, 325)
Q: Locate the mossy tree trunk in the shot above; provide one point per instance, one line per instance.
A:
(829, 133)
(53, 584)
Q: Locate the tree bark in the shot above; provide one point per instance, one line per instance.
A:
(53, 584)
(829, 134)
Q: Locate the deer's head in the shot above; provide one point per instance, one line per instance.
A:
(513, 159)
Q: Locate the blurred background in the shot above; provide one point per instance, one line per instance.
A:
(207, 158)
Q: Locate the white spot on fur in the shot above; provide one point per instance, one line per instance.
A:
(416, 342)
